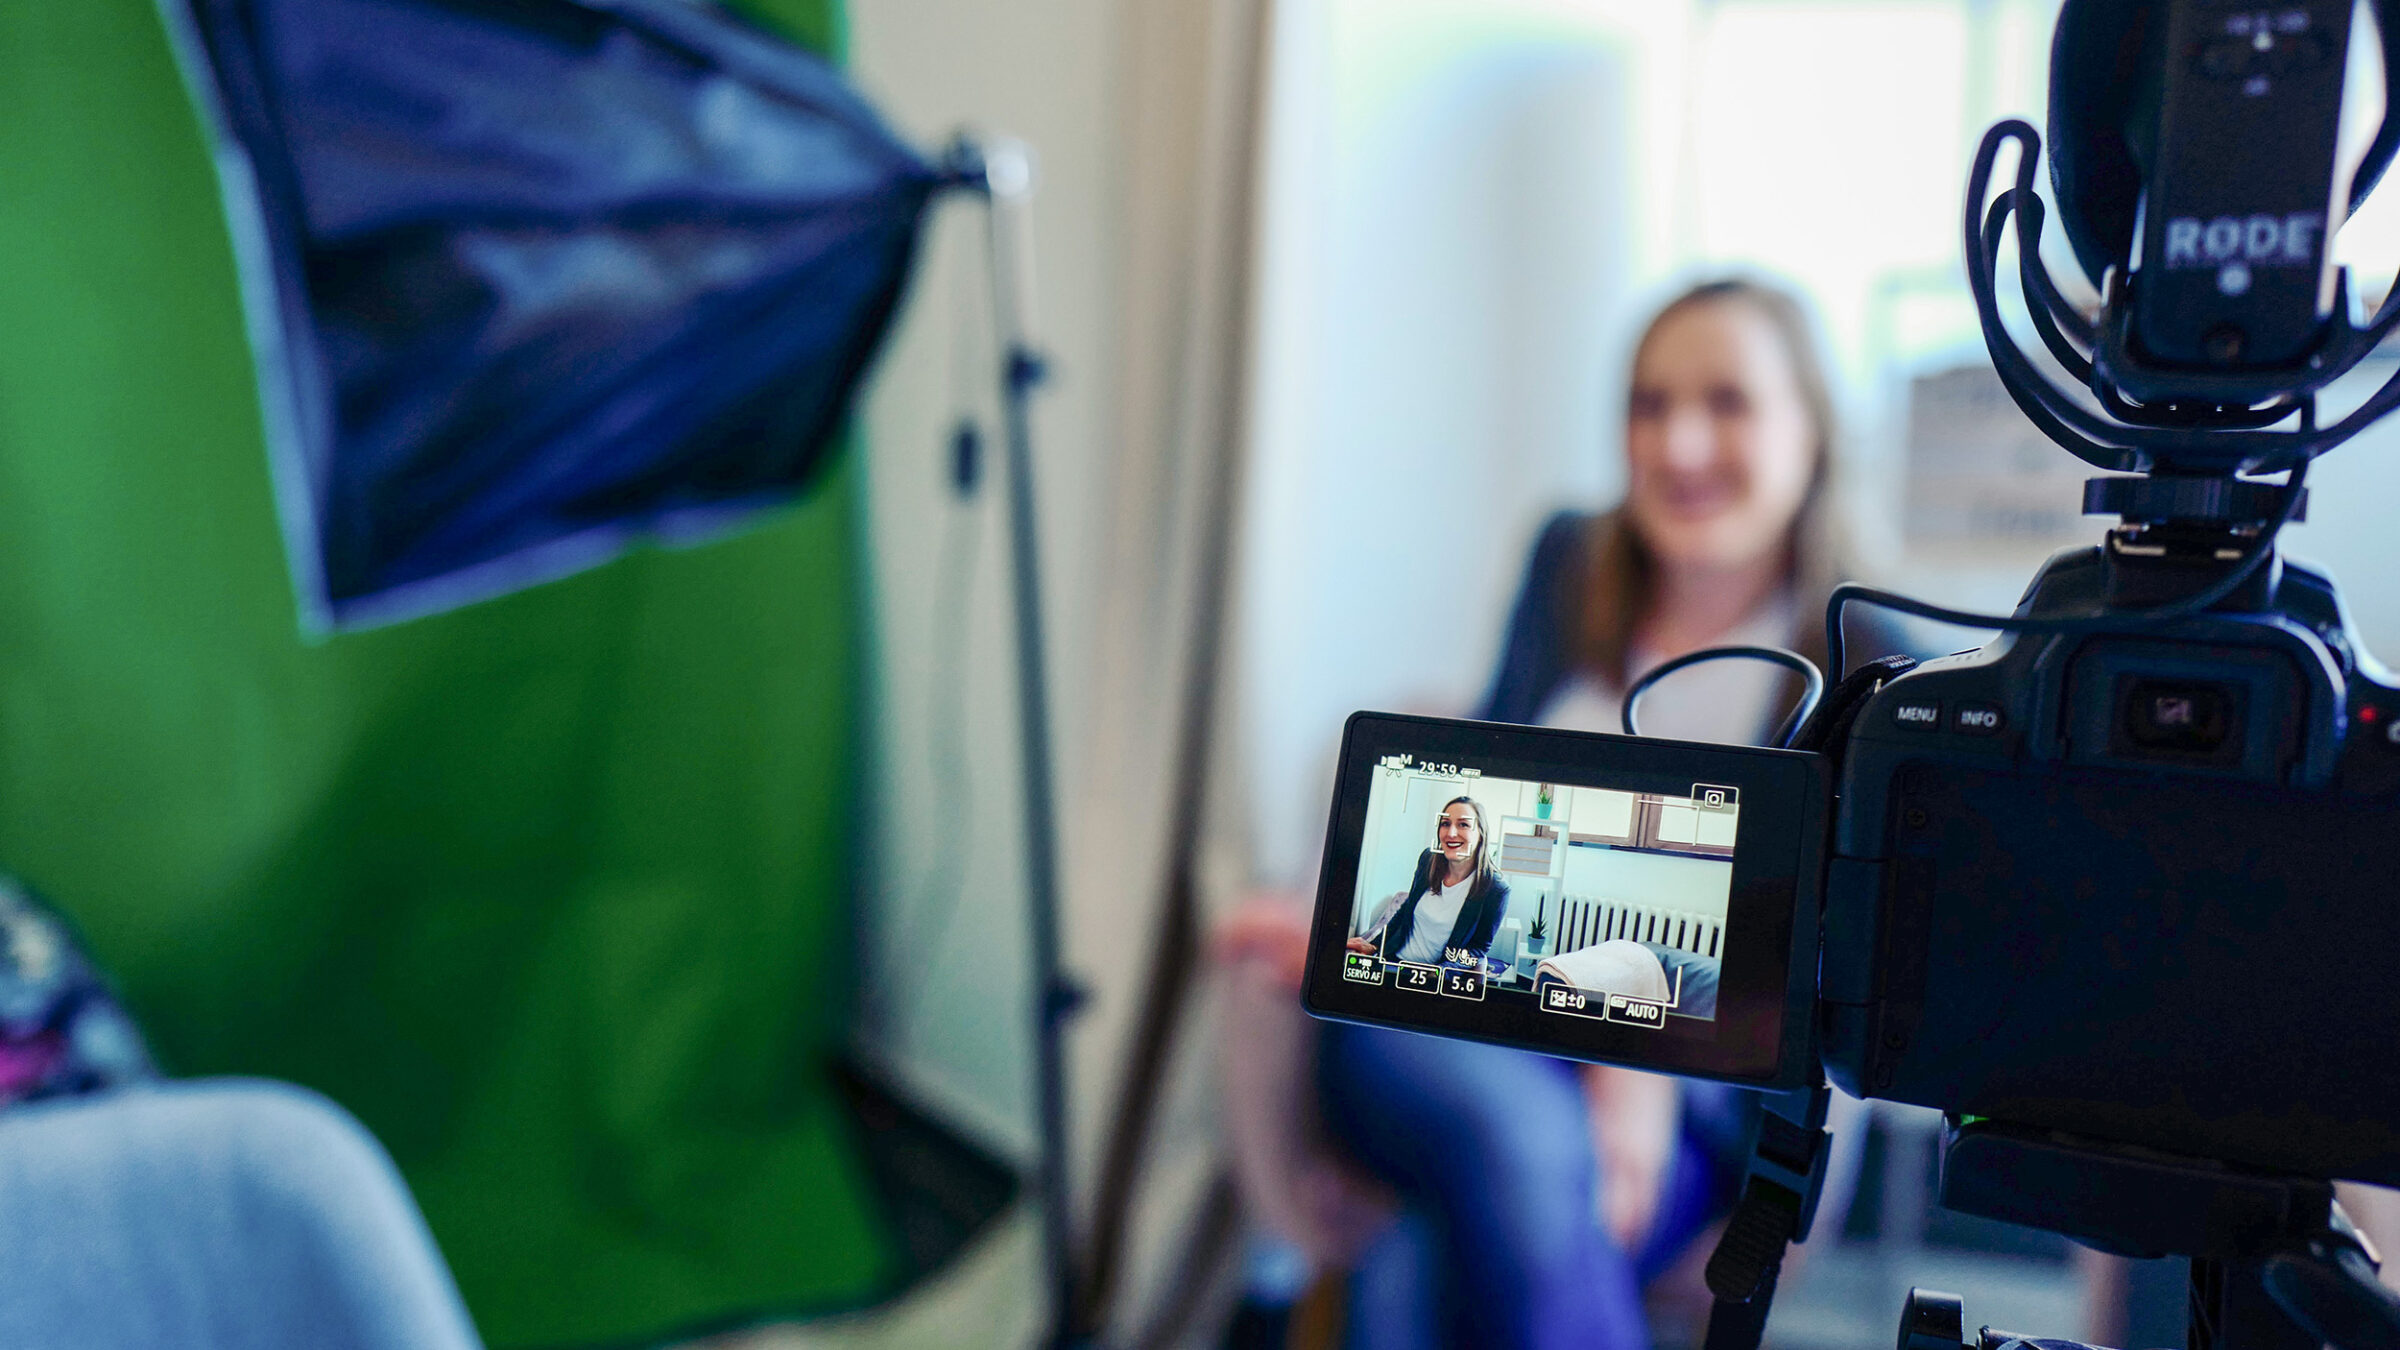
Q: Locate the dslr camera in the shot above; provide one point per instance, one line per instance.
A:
(2118, 892)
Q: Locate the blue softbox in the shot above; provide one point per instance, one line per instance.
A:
(529, 280)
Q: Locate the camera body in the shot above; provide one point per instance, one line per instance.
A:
(2137, 886)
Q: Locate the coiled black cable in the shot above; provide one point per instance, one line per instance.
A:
(1813, 687)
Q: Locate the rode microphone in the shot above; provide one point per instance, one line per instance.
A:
(2203, 154)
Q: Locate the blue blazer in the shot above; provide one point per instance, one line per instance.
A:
(1535, 655)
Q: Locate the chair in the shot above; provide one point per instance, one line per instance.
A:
(213, 1215)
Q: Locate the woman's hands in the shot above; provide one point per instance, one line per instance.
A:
(1360, 945)
(1291, 1182)
(1634, 1119)
(1266, 935)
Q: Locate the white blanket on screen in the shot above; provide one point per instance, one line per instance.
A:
(1618, 966)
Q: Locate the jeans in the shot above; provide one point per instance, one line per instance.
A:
(1491, 1152)
(212, 1215)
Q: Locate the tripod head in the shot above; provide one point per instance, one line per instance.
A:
(2276, 1264)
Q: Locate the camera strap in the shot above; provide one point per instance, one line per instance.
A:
(1779, 1200)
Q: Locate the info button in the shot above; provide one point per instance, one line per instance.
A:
(1917, 714)
(1978, 719)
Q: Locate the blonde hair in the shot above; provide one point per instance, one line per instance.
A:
(1619, 570)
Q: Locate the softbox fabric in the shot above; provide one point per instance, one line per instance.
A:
(531, 280)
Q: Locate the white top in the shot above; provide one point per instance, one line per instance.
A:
(1726, 702)
(1437, 914)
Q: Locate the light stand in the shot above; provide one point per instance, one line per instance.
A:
(1003, 171)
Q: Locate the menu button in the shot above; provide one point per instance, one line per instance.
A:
(1917, 714)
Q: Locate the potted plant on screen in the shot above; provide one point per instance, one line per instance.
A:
(1537, 937)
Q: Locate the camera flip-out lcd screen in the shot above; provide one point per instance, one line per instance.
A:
(1599, 897)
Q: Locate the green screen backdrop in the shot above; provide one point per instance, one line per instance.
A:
(552, 892)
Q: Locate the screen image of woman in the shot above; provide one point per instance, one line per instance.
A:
(1453, 904)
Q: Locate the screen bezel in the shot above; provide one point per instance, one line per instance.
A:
(1762, 1034)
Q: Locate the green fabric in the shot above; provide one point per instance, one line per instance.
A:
(550, 892)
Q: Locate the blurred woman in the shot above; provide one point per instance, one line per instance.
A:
(1727, 533)
(1501, 1160)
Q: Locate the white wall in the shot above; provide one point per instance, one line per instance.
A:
(1651, 880)
(1450, 250)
